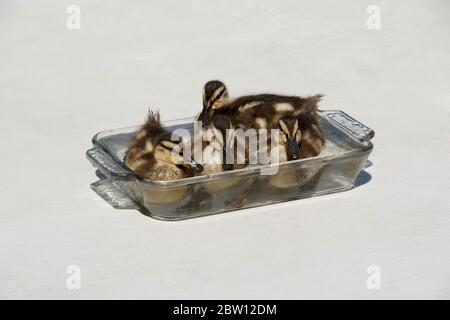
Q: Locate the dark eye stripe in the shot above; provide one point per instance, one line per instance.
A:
(218, 96)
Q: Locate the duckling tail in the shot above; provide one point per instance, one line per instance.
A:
(312, 102)
(307, 107)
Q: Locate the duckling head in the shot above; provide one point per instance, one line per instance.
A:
(168, 151)
(215, 97)
(290, 136)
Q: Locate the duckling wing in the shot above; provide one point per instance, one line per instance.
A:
(311, 144)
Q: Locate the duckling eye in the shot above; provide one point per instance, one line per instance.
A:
(214, 101)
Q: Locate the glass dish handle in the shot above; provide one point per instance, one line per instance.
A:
(351, 126)
(106, 165)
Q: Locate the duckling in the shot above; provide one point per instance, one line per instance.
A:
(295, 143)
(299, 139)
(217, 138)
(215, 97)
(261, 111)
(152, 154)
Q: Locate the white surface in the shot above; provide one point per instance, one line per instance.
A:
(58, 87)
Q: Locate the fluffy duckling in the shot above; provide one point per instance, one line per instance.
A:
(261, 111)
(298, 139)
(289, 139)
(231, 150)
(216, 139)
(295, 143)
(215, 98)
(152, 154)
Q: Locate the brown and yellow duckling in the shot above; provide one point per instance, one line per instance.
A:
(295, 143)
(299, 139)
(216, 138)
(215, 98)
(261, 111)
(152, 155)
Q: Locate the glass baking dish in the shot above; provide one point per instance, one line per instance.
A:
(345, 153)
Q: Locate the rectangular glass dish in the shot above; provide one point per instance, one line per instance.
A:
(345, 153)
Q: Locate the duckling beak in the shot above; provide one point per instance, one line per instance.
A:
(293, 149)
(195, 167)
(204, 116)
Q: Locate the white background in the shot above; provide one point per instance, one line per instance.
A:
(58, 87)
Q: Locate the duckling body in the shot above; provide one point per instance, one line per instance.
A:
(153, 168)
(263, 111)
(150, 153)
